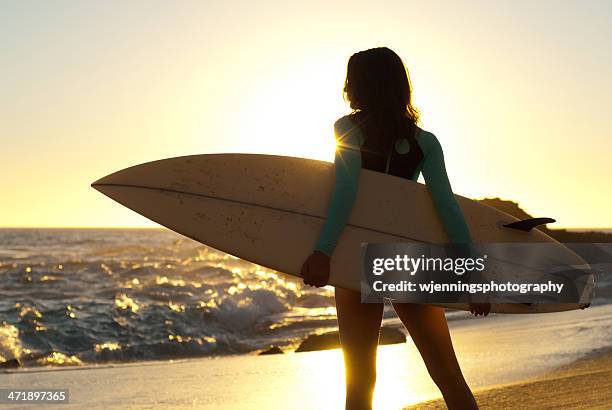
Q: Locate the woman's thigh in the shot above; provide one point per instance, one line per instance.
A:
(429, 330)
(358, 323)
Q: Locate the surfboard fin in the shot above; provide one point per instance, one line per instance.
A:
(527, 225)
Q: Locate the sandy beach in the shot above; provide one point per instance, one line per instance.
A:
(523, 361)
(584, 384)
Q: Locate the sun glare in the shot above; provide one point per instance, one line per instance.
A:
(292, 113)
(402, 378)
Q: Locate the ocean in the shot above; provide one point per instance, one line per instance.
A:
(86, 296)
(72, 296)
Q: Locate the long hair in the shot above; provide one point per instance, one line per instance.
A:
(379, 92)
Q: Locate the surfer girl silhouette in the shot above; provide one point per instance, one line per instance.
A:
(381, 134)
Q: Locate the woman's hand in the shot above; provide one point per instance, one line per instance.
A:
(315, 269)
(480, 308)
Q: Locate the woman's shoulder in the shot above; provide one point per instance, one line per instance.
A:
(428, 141)
(348, 132)
(346, 123)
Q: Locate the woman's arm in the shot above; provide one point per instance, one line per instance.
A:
(315, 269)
(436, 178)
(347, 166)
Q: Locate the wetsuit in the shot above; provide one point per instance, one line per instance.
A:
(352, 154)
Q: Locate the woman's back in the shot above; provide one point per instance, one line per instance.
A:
(406, 160)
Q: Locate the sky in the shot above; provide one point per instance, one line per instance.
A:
(518, 93)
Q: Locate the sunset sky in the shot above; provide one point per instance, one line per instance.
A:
(519, 94)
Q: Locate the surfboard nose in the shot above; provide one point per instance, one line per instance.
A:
(110, 184)
(134, 175)
(105, 184)
(106, 180)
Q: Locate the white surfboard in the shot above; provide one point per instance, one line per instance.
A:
(269, 210)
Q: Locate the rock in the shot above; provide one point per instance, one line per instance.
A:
(509, 207)
(331, 340)
(271, 350)
(10, 364)
(324, 341)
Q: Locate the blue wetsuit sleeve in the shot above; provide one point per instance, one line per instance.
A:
(436, 179)
(347, 167)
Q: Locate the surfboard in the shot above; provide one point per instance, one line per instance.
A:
(269, 210)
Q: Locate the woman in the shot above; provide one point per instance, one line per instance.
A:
(381, 134)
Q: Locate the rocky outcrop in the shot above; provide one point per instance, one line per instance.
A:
(271, 350)
(562, 235)
(331, 340)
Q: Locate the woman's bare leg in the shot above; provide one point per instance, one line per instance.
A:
(429, 331)
(359, 326)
